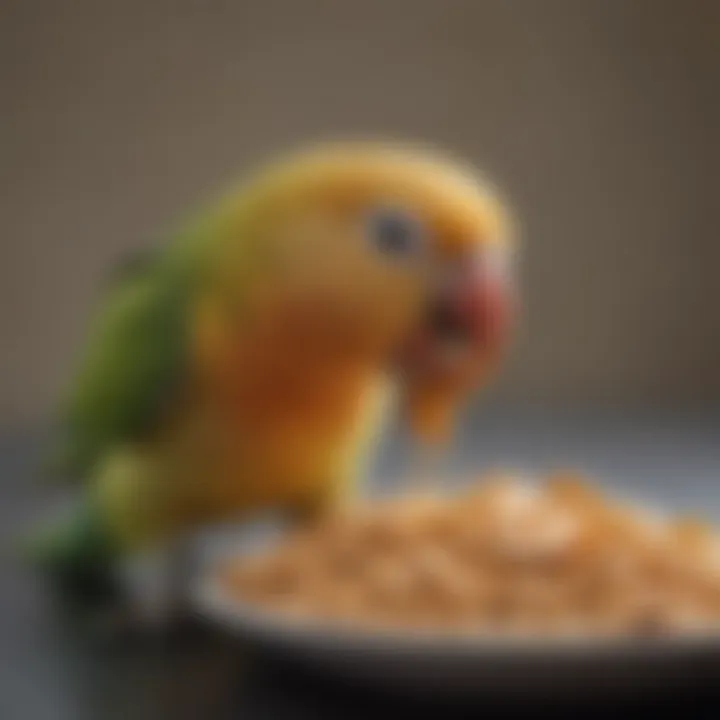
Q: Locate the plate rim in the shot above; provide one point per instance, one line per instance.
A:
(213, 603)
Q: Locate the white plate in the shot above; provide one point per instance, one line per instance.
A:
(438, 662)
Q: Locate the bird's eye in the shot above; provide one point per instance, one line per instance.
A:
(395, 232)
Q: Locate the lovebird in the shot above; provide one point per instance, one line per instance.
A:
(249, 362)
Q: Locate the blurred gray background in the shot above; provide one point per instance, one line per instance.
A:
(598, 118)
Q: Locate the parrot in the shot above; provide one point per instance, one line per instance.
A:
(249, 361)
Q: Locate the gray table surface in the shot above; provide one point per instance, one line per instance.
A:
(48, 671)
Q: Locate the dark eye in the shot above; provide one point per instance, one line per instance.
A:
(395, 232)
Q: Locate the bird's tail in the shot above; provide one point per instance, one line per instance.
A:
(76, 552)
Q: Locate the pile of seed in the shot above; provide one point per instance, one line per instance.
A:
(500, 557)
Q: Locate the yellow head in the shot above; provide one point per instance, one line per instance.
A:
(397, 255)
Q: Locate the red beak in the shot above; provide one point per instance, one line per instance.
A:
(468, 324)
(480, 303)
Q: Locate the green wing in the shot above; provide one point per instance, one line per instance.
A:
(133, 368)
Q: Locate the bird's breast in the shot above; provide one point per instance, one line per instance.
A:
(277, 437)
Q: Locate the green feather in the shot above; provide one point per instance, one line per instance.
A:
(133, 366)
(77, 553)
(136, 360)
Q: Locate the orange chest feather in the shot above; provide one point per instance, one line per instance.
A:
(277, 378)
